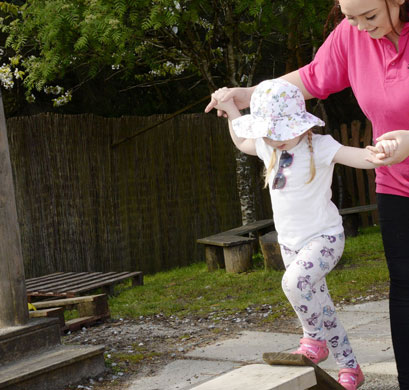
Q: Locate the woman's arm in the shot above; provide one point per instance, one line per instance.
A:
(242, 96)
(295, 79)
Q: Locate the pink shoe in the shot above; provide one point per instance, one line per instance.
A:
(315, 350)
(351, 378)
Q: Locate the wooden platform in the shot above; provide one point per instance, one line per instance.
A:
(262, 377)
(91, 309)
(72, 284)
(324, 380)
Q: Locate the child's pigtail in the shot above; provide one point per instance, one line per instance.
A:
(270, 168)
(312, 164)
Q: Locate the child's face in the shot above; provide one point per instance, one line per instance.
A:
(283, 145)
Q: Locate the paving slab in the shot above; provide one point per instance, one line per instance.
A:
(350, 320)
(370, 307)
(180, 374)
(248, 346)
(367, 352)
(368, 330)
(384, 368)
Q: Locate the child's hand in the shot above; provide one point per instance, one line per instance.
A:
(385, 148)
(227, 106)
(381, 153)
(391, 148)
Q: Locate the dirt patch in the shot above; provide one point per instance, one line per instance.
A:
(143, 346)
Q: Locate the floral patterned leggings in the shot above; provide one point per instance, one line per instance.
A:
(305, 287)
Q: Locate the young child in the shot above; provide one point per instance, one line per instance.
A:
(299, 167)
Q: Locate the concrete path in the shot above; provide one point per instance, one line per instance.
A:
(368, 330)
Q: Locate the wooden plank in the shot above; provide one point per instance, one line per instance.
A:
(93, 305)
(251, 227)
(54, 312)
(358, 209)
(348, 170)
(66, 301)
(224, 240)
(324, 380)
(45, 279)
(89, 287)
(262, 377)
(355, 129)
(72, 287)
(51, 285)
(40, 278)
(79, 323)
(48, 294)
(103, 278)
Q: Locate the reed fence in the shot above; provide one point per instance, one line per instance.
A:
(85, 206)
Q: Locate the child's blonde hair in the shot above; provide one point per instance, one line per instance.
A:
(274, 159)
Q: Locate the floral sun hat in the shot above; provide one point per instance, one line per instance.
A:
(277, 111)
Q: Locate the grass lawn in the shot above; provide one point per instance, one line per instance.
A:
(193, 291)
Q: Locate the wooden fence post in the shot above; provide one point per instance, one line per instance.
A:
(13, 298)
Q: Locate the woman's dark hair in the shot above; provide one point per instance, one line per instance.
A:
(335, 16)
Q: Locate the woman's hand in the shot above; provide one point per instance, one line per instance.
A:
(224, 105)
(391, 147)
(240, 96)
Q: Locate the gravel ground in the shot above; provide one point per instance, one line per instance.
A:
(141, 347)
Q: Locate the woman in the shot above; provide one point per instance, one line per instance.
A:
(369, 51)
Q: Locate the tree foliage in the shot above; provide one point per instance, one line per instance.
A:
(220, 41)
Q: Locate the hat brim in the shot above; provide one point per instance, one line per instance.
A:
(280, 129)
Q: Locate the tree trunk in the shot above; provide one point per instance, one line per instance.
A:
(245, 187)
(13, 297)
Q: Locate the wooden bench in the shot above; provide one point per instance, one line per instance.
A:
(233, 249)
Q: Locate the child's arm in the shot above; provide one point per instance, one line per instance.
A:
(246, 145)
(367, 158)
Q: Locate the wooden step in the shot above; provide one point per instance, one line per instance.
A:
(37, 334)
(263, 377)
(53, 369)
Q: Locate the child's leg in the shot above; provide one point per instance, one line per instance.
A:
(305, 287)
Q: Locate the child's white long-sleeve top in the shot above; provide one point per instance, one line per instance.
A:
(303, 211)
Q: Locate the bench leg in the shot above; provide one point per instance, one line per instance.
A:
(271, 252)
(238, 258)
(214, 257)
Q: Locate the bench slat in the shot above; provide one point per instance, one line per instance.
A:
(251, 227)
(224, 240)
(358, 209)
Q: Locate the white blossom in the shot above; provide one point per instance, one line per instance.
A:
(6, 77)
(63, 99)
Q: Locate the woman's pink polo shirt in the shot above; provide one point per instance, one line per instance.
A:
(379, 77)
